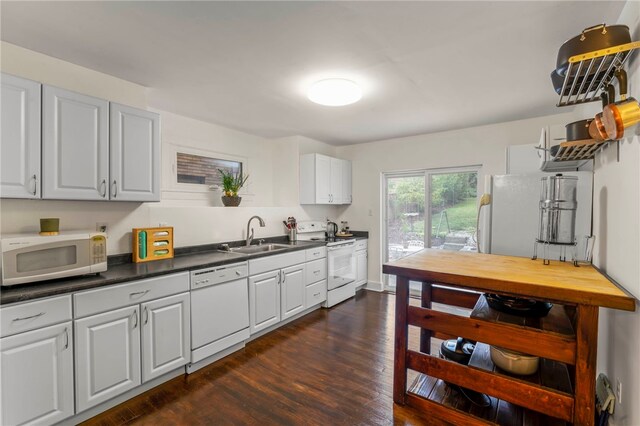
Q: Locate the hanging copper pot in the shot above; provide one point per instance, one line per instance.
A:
(621, 115)
(596, 128)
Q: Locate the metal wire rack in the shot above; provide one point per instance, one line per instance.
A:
(588, 74)
(585, 150)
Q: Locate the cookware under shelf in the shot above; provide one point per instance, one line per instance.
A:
(590, 73)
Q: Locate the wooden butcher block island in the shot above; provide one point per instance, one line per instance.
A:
(563, 389)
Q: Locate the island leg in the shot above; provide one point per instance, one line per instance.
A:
(586, 355)
(425, 334)
(401, 337)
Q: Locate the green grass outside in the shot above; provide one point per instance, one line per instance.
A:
(462, 217)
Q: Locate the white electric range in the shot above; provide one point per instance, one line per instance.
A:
(341, 261)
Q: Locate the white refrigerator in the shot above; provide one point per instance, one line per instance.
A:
(513, 214)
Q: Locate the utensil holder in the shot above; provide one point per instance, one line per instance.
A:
(293, 235)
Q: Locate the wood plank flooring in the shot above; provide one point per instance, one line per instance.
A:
(331, 367)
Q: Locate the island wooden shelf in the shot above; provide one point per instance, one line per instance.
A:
(550, 374)
(566, 340)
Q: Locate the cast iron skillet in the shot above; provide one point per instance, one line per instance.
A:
(518, 306)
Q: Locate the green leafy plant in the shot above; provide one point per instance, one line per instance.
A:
(232, 182)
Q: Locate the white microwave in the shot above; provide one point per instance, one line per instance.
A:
(28, 258)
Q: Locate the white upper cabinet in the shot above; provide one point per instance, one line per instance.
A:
(75, 146)
(336, 181)
(20, 133)
(322, 180)
(346, 182)
(134, 154)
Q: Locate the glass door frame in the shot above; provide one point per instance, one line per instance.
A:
(427, 173)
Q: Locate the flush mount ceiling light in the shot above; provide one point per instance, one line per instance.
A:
(334, 92)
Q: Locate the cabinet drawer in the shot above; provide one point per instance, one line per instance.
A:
(216, 275)
(316, 271)
(279, 261)
(105, 299)
(361, 245)
(316, 293)
(316, 253)
(31, 315)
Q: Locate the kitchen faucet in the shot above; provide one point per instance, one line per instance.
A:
(250, 236)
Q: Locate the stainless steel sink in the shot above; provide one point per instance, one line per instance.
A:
(258, 248)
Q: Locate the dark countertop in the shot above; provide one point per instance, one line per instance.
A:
(187, 258)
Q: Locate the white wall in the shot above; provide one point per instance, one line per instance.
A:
(617, 229)
(485, 146)
(197, 217)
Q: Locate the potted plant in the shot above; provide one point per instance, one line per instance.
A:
(231, 184)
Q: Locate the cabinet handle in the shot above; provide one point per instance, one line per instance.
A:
(103, 188)
(35, 184)
(135, 317)
(115, 188)
(29, 317)
(316, 272)
(138, 293)
(66, 338)
(316, 294)
(238, 273)
(146, 315)
(284, 277)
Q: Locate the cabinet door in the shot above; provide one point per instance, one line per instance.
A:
(336, 181)
(75, 146)
(107, 356)
(20, 138)
(264, 300)
(37, 376)
(361, 267)
(323, 179)
(166, 342)
(292, 291)
(134, 154)
(346, 182)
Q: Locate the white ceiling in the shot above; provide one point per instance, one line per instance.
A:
(424, 66)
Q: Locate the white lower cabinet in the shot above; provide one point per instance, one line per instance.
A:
(107, 355)
(36, 376)
(361, 262)
(166, 342)
(292, 291)
(264, 300)
(361, 267)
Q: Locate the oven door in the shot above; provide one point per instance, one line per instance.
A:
(46, 261)
(342, 265)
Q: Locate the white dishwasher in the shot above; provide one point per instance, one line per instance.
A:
(219, 310)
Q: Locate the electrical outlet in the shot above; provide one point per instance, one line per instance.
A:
(619, 391)
(101, 226)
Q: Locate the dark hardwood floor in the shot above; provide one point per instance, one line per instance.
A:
(331, 367)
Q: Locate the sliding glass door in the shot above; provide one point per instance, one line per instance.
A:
(429, 208)
(404, 216)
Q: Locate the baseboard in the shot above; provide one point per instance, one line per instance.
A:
(375, 286)
(94, 411)
(193, 367)
(281, 323)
